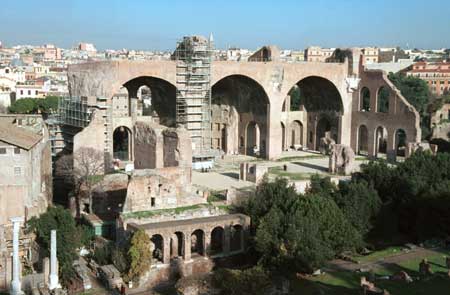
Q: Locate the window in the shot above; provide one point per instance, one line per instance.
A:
(29, 92)
(2, 151)
(21, 92)
(152, 200)
(17, 171)
(36, 92)
(16, 151)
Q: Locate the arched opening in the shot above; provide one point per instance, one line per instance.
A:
(122, 143)
(364, 100)
(322, 102)
(296, 134)
(197, 242)
(176, 245)
(383, 100)
(381, 136)
(253, 147)
(400, 142)
(217, 240)
(265, 54)
(283, 137)
(239, 103)
(236, 238)
(363, 140)
(157, 248)
(144, 95)
(156, 99)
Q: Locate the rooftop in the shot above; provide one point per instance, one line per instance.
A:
(18, 136)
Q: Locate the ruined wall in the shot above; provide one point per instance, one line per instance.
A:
(93, 136)
(440, 122)
(401, 114)
(158, 189)
(148, 149)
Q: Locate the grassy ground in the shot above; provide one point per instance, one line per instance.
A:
(347, 282)
(378, 255)
(305, 157)
(278, 171)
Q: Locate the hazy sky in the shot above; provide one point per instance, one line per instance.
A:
(152, 24)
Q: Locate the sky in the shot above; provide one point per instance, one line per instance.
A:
(290, 24)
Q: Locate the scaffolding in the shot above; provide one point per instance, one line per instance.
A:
(193, 103)
(74, 111)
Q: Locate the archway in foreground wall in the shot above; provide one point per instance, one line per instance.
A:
(237, 101)
(253, 135)
(296, 134)
(381, 137)
(144, 105)
(363, 140)
(197, 242)
(176, 245)
(217, 236)
(236, 238)
(122, 140)
(400, 142)
(322, 103)
(157, 247)
(283, 137)
(150, 96)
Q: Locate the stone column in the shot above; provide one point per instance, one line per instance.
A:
(166, 250)
(206, 243)
(187, 246)
(53, 278)
(16, 285)
(226, 240)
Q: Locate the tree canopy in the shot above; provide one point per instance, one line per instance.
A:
(30, 105)
(298, 232)
(139, 254)
(69, 237)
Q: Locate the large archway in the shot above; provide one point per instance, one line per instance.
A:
(239, 103)
(122, 140)
(152, 96)
(322, 102)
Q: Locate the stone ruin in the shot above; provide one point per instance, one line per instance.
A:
(412, 147)
(325, 143)
(252, 172)
(342, 159)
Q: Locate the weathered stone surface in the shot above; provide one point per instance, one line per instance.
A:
(342, 159)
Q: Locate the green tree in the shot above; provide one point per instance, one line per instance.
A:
(68, 237)
(251, 281)
(24, 106)
(139, 254)
(30, 105)
(360, 204)
(297, 232)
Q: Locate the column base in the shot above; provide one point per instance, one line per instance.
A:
(54, 284)
(16, 288)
